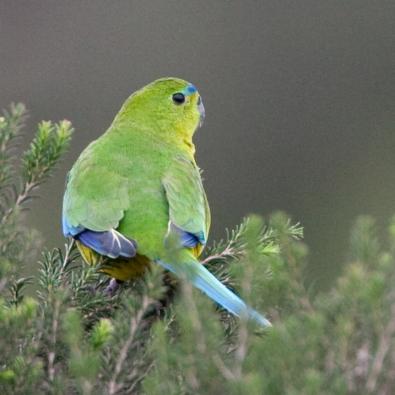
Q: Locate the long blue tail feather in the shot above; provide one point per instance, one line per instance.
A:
(212, 287)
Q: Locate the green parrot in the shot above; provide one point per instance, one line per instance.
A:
(135, 195)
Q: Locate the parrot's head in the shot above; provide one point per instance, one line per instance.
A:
(170, 107)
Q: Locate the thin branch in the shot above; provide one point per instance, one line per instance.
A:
(19, 200)
(66, 258)
(191, 374)
(228, 252)
(140, 378)
(52, 353)
(224, 370)
(382, 351)
(113, 386)
(241, 350)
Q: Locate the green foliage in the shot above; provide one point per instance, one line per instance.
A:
(160, 336)
(50, 142)
(17, 185)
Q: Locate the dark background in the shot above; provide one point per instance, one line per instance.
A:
(299, 97)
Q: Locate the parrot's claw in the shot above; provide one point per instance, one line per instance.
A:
(112, 287)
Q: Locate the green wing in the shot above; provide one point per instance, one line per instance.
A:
(188, 207)
(95, 197)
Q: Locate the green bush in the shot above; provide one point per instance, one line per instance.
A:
(159, 336)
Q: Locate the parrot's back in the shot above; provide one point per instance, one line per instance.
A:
(135, 196)
(118, 183)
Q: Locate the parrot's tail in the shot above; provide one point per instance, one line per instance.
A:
(212, 287)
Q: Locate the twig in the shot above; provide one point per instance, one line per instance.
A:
(140, 378)
(362, 364)
(113, 386)
(66, 258)
(20, 198)
(224, 370)
(241, 350)
(388, 386)
(382, 351)
(52, 353)
(200, 341)
(226, 253)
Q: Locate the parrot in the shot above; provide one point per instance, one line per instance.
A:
(135, 198)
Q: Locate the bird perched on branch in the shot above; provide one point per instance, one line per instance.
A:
(135, 195)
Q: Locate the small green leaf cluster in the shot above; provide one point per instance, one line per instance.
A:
(19, 178)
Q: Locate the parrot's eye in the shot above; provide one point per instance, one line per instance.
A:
(178, 98)
(199, 101)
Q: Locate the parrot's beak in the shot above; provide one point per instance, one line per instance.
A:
(191, 90)
(201, 111)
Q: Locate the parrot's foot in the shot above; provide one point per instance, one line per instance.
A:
(112, 287)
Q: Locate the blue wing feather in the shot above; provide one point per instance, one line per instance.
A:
(109, 243)
(187, 239)
(69, 230)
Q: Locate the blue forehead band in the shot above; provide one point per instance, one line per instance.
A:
(189, 90)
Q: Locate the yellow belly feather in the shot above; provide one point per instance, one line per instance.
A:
(121, 268)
